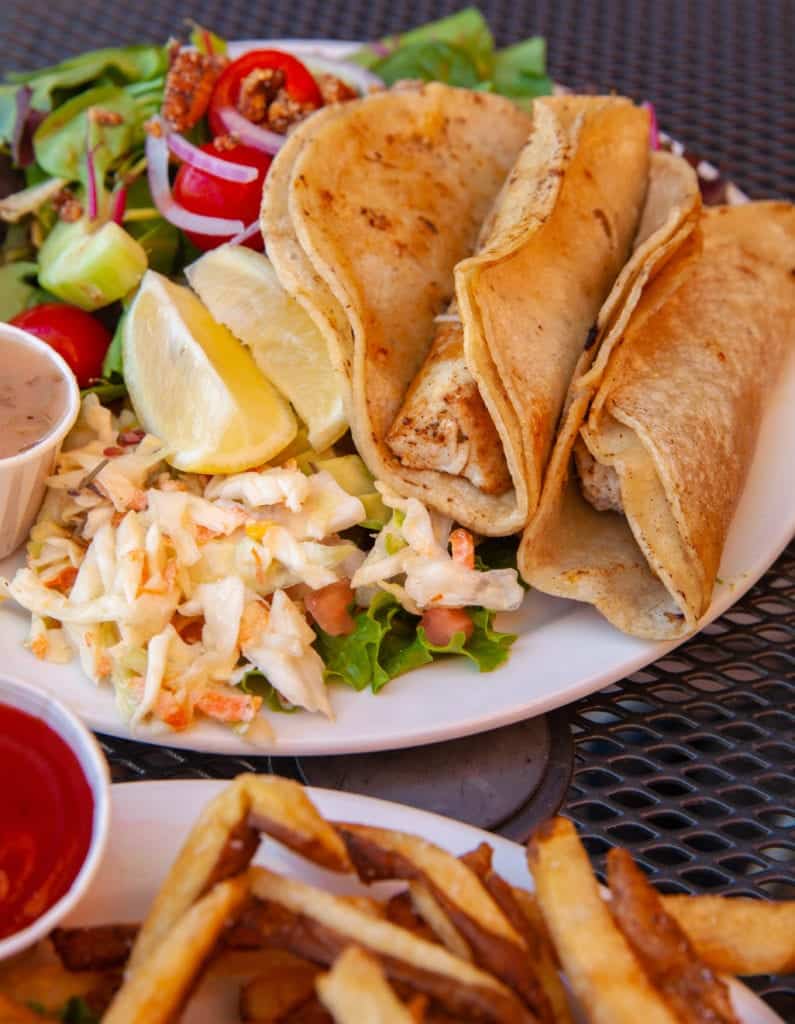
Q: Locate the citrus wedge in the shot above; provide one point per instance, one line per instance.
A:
(194, 386)
(241, 290)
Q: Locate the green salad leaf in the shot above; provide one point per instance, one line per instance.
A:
(354, 659)
(520, 70)
(460, 50)
(61, 140)
(77, 1011)
(498, 553)
(116, 65)
(433, 61)
(206, 41)
(18, 289)
(467, 31)
(257, 685)
(388, 641)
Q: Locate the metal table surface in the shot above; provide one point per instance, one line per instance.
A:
(688, 763)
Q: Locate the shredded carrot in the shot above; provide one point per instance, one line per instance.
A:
(463, 548)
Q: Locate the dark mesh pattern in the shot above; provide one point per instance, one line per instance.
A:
(690, 762)
(720, 73)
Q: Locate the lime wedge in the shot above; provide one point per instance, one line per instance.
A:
(194, 385)
(241, 289)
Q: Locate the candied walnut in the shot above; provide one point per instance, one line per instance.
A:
(189, 85)
(334, 90)
(223, 143)
(67, 206)
(98, 115)
(258, 90)
(284, 112)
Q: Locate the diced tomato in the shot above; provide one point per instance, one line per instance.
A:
(298, 82)
(204, 193)
(441, 624)
(330, 608)
(462, 547)
(74, 334)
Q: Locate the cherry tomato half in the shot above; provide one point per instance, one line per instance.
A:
(203, 193)
(74, 334)
(298, 82)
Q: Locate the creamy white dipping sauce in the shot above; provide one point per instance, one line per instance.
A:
(33, 398)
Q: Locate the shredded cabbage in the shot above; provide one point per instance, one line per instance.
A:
(410, 561)
(172, 586)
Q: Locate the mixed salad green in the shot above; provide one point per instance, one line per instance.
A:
(127, 163)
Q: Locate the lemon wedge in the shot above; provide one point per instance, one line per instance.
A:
(194, 386)
(241, 290)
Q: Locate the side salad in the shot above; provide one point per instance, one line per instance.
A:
(210, 543)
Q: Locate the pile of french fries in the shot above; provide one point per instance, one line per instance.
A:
(453, 942)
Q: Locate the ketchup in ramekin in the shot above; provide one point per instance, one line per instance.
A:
(46, 817)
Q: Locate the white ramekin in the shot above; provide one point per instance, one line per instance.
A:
(22, 476)
(95, 768)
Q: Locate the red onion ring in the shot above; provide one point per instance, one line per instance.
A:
(351, 74)
(244, 236)
(160, 187)
(91, 186)
(227, 170)
(119, 205)
(654, 134)
(251, 134)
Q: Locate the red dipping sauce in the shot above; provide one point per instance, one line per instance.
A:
(46, 814)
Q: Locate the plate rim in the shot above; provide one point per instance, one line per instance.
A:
(404, 816)
(209, 738)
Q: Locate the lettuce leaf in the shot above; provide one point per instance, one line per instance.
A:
(498, 553)
(354, 659)
(118, 65)
(467, 31)
(77, 1011)
(388, 642)
(459, 50)
(206, 41)
(257, 685)
(434, 61)
(520, 70)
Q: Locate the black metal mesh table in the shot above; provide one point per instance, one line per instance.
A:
(689, 763)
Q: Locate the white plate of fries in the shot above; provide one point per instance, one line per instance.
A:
(434, 938)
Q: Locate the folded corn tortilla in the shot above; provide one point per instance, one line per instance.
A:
(660, 430)
(367, 212)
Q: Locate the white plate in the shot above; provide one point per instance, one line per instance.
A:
(164, 811)
(565, 649)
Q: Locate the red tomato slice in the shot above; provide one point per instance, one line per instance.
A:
(299, 83)
(441, 625)
(74, 334)
(201, 192)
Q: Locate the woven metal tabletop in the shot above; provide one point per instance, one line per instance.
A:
(689, 763)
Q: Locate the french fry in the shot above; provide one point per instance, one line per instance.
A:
(48, 985)
(427, 907)
(225, 838)
(98, 948)
(521, 909)
(547, 962)
(688, 986)
(457, 892)
(602, 969)
(323, 925)
(736, 934)
(282, 984)
(356, 992)
(12, 1012)
(157, 988)
(400, 910)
